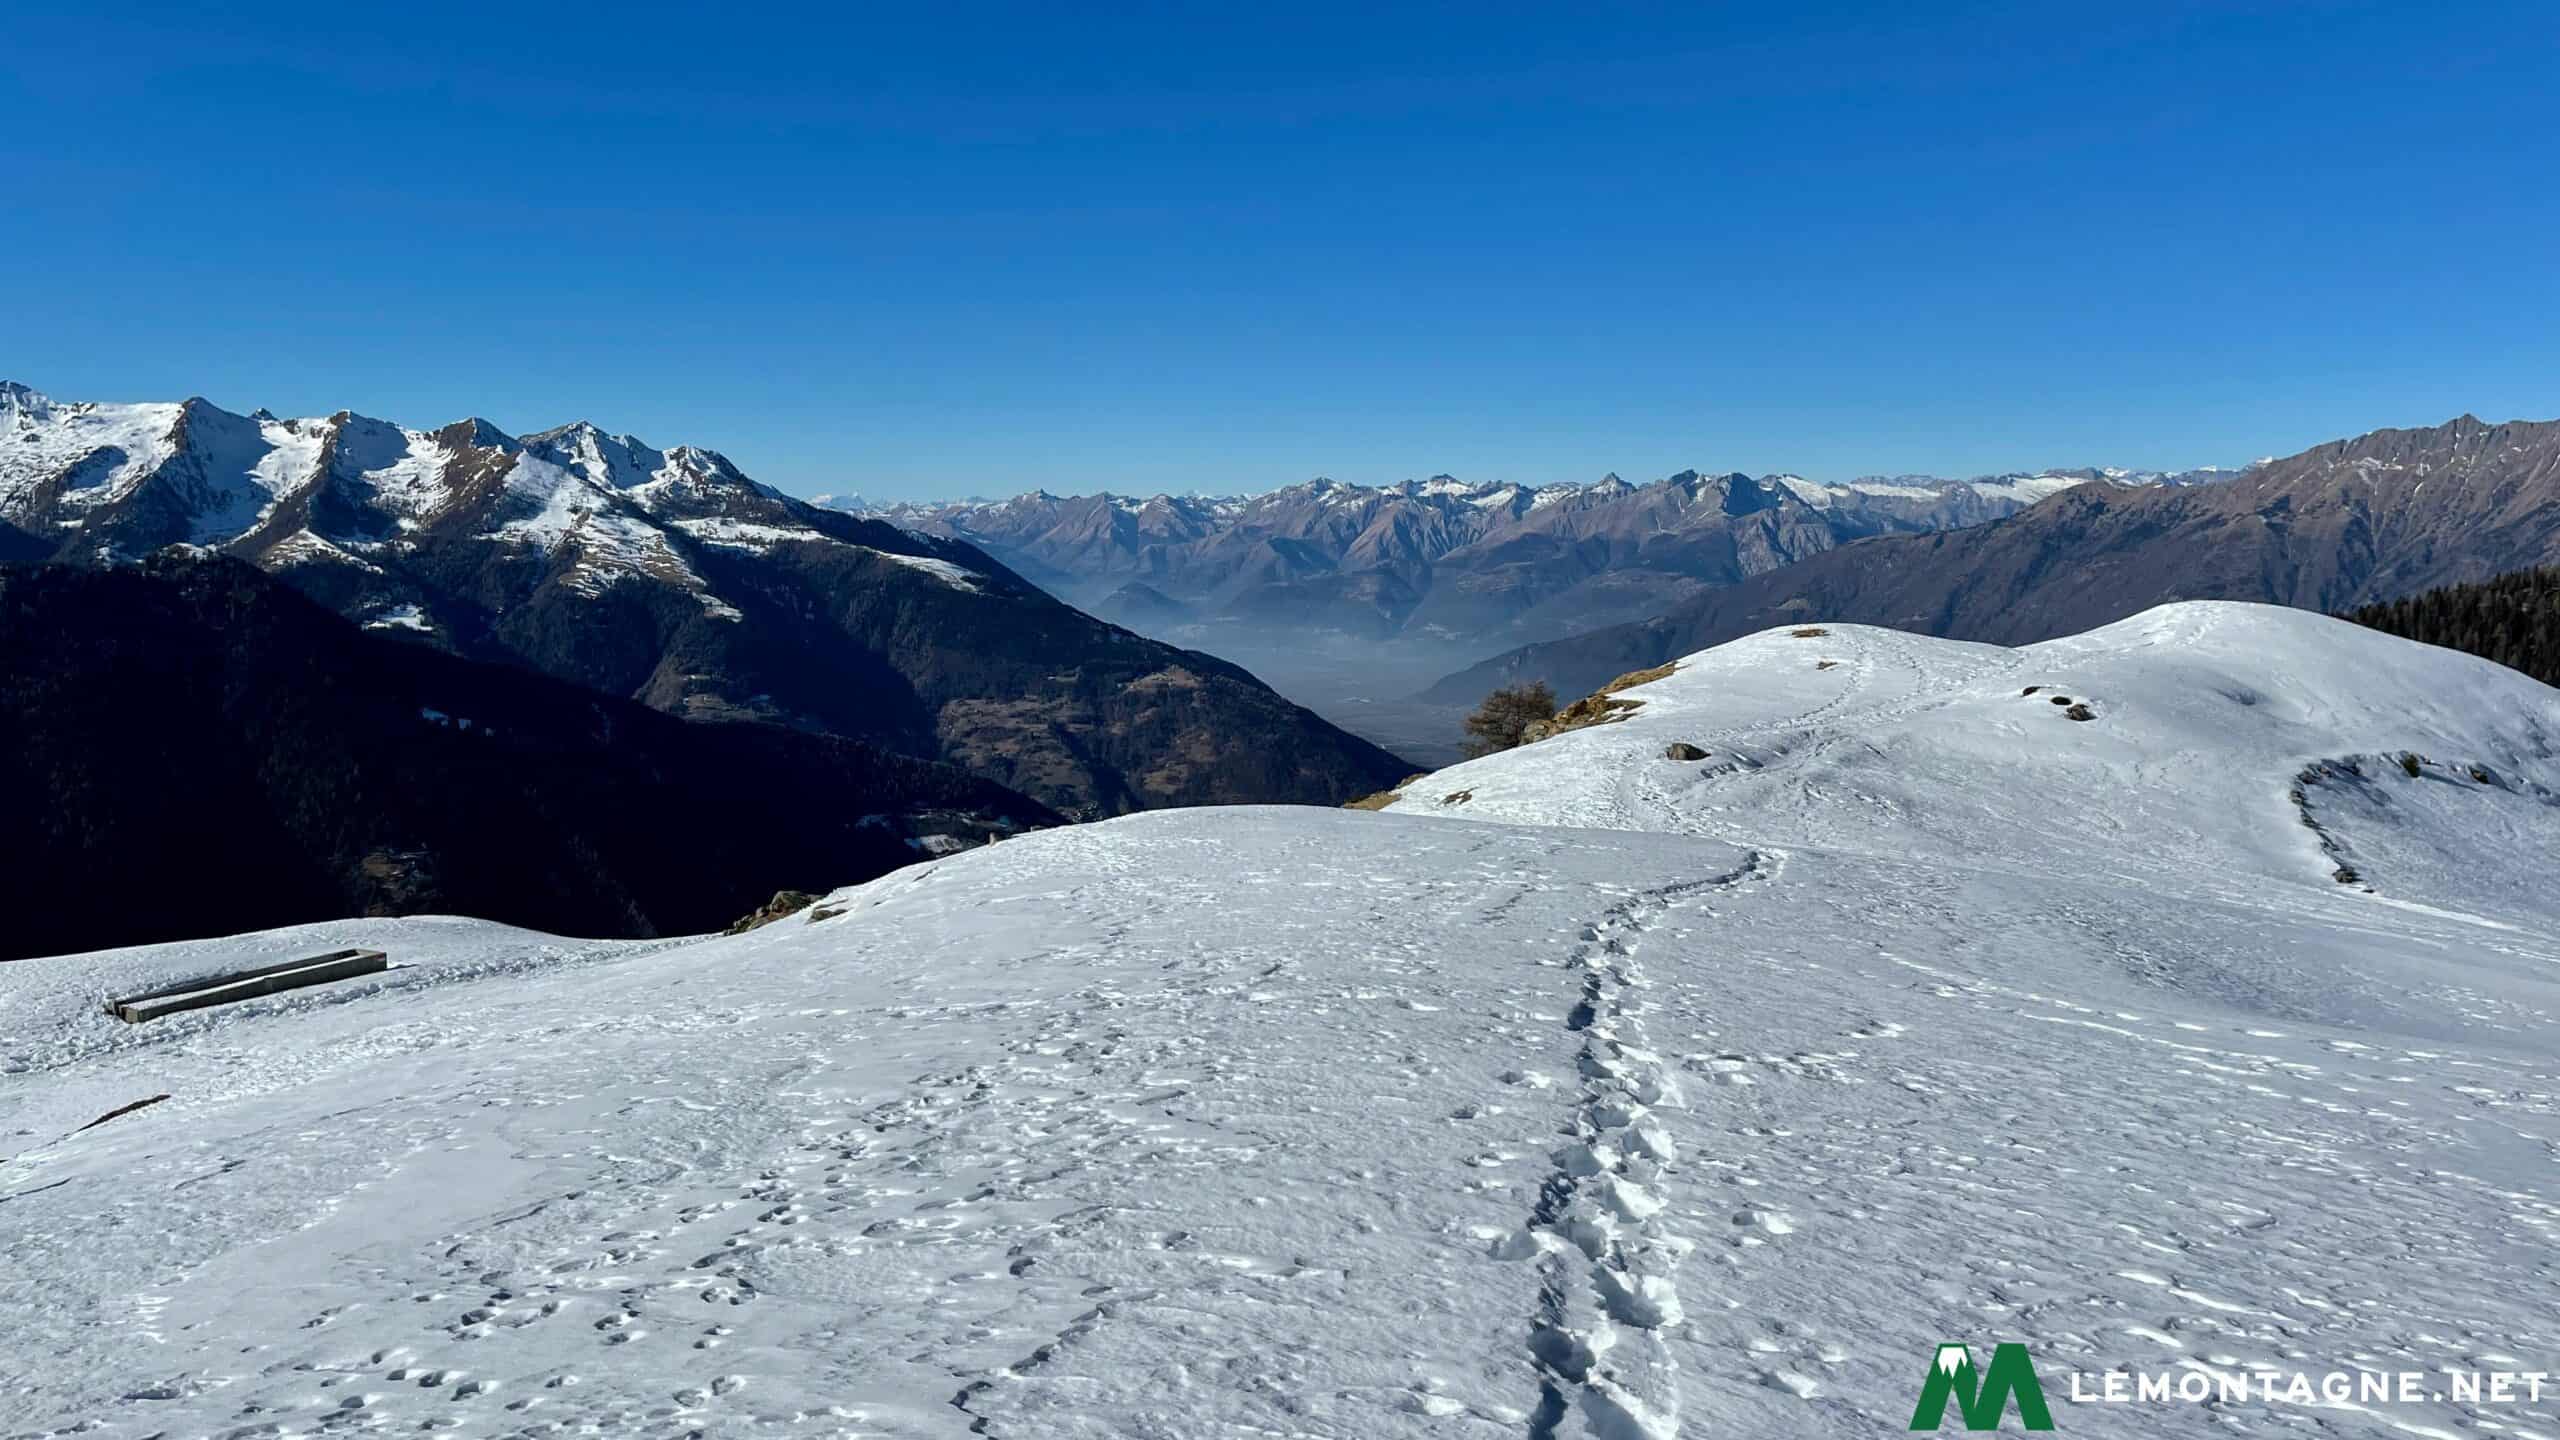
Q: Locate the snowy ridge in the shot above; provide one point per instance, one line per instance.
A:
(303, 547)
(1583, 1092)
(1444, 562)
(608, 502)
(112, 445)
(575, 508)
(1862, 738)
(2022, 487)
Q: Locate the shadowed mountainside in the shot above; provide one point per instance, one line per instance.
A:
(191, 748)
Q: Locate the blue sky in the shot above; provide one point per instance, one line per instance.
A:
(945, 249)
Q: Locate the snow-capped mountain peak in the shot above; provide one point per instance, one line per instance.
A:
(617, 462)
(105, 482)
(23, 403)
(474, 431)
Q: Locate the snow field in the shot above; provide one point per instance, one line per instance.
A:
(1626, 1098)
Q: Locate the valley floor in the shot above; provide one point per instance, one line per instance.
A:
(1613, 1099)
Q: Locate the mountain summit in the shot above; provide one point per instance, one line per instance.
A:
(669, 576)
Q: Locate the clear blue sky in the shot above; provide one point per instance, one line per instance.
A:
(937, 249)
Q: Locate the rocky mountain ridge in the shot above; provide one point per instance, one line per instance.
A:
(1447, 560)
(671, 577)
(2347, 523)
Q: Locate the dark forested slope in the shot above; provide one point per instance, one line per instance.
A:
(191, 748)
(2513, 619)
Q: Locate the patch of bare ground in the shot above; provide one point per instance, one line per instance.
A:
(1381, 799)
(1601, 707)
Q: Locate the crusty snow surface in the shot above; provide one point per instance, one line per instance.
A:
(1623, 1096)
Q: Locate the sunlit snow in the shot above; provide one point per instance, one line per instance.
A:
(1582, 1091)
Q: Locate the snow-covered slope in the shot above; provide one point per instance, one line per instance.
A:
(1625, 1096)
(2204, 716)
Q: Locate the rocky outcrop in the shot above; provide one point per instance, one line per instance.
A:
(784, 903)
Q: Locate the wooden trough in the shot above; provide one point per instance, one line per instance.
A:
(248, 984)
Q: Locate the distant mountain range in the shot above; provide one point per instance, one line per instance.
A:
(669, 577)
(1451, 561)
(189, 747)
(2344, 524)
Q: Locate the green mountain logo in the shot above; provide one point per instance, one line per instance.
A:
(1982, 1397)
